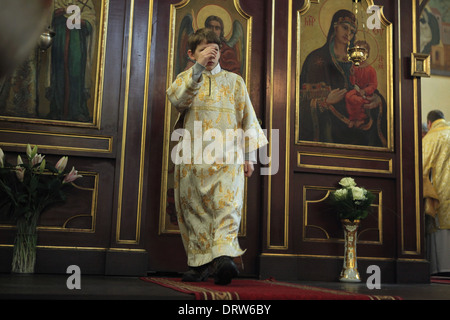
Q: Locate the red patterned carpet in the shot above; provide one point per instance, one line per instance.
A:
(244, 289)
(439, 279)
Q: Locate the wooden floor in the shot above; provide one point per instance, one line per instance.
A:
(54, 287)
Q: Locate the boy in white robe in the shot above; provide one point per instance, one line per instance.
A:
(219, 126)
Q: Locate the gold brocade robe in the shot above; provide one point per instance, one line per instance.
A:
(436, 159)
(209, 188)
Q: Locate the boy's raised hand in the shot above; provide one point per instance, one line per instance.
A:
(207, 54)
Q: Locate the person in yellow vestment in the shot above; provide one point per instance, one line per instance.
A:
(436, 168)
(214, 157)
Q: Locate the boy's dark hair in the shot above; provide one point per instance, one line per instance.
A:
(435, 115)
(201, 34)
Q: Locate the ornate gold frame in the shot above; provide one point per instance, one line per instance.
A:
(420, 65)
(389, 81)
(97, 90)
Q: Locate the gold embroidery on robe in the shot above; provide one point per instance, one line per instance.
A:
(436, 159)
(209, 197)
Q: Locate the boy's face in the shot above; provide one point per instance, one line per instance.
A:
(207, 54)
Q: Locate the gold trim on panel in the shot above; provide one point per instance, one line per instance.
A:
(328, 190)
(162, 229)
(125, 250)
(288, 128)
(412, 260)
(417, 122)
(124, 128)
(101, 70)
(92, 214)
(166, 142)
(402, 231)
(249, 19)
(271, 92)
(285, 245)
(319, 256)
(99, 83)
(144, 120)
(390, 74)
(416, 140)
(108, 139)
(81, 248)
(143, 129)
(331, 167)
(74, 217)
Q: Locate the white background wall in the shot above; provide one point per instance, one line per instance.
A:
(435, 95)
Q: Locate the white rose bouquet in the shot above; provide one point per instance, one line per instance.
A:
(351, 202)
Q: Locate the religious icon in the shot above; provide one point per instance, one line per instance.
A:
(60, 83)
(70, 67)
(231, 34)
(338, 103)
(232, 25)
(433, 22)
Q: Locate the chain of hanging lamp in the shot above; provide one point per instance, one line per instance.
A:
(357, 53)
(46, 38)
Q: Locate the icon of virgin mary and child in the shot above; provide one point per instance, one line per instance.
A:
(339, 102)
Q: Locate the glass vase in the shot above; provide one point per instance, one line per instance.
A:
(24, 252)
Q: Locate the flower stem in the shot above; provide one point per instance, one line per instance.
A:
(24, 253)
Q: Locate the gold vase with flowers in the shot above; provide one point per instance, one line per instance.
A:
(352, 204)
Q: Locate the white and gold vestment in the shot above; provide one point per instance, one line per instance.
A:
(209, 186)
(436, 159)
(436, 167)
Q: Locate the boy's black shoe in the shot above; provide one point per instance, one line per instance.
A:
(225, 270)
(196, 274)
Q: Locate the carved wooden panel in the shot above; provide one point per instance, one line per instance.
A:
(103, 215)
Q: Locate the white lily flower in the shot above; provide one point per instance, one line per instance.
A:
(20, 171)
(37, 159)
(72, 176)
(61, 164)
(31, 152)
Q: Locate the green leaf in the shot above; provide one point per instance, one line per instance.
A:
(33, 183)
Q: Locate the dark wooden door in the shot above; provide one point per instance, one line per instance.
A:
(304, 239)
